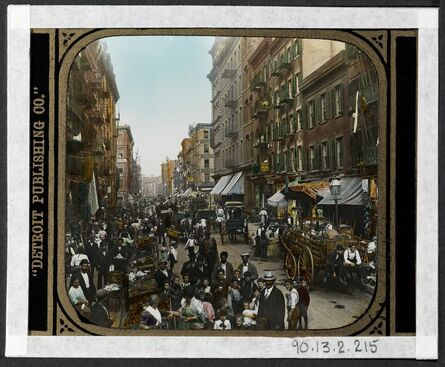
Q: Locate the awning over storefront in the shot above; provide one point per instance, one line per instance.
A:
(235, 186)
(187, 192)
(351, 193)
(277, 199)
(221, 184)
(309, 188)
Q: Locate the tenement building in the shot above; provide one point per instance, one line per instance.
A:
(91, 135)
(228, 138)
(125, 144)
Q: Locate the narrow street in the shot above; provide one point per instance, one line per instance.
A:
(273, 146)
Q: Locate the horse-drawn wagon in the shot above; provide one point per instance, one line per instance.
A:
(235, 222)
(307, 250)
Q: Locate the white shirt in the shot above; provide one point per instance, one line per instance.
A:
(245, 267)
(249, 317)
(219, 323)
(223, 267)
(267, 292)
(86, 279)
(292, 298)
(174, 253)
(350, 255)
(190, 243)
(77, 258)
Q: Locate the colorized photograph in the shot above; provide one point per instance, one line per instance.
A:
(221, 183)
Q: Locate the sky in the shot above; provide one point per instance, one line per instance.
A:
(163, 88)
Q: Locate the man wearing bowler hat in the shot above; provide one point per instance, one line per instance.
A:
(271, 307)
(246, 265)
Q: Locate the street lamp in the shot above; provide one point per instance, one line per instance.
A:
(335, 187)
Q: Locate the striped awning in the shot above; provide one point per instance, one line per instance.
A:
(235, 186)
(309, 188)
(277, 199)
(221, 184)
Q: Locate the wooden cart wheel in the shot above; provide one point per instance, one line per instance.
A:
(290, 264)
(306, 265)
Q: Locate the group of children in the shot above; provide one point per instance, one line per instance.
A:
(233, 305)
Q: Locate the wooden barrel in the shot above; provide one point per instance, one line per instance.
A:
(115, 277)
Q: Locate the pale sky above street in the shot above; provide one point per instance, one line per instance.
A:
(163, 87)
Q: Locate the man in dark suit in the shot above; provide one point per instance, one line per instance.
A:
(225, 265)
(91, 250)
(189, 266)
(120, 256)
(163, 274)
(99, 312)
(103, 262)
(200, 271)
(86, 281)
(247, 266)
(271, 306)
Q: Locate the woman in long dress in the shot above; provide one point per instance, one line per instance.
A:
(191, 314)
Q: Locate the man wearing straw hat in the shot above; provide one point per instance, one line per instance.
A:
(271, 306)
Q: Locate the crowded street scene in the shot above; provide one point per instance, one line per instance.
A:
(261, 216)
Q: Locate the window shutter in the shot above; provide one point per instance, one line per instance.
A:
(303, 119)
(333, 106)
(294, 86)
(308, 115)
(314, 111)
(340, 98)
(328, 105)
(296, 158)
(341, 155)
(319, 157)
(328, 155)
(332, 156)
(318, 109)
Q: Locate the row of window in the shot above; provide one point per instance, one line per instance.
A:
(325, 106)
(321, 108)
(327, 155)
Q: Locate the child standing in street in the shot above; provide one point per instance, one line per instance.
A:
(303, 304)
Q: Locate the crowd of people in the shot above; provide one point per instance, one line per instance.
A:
(223, 297)
(207, 292)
